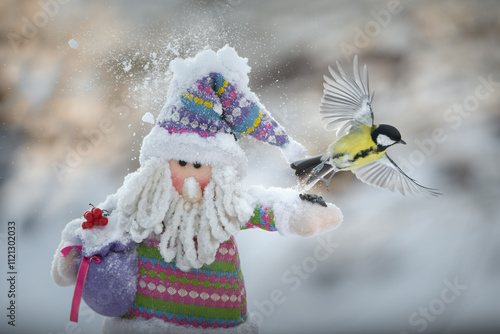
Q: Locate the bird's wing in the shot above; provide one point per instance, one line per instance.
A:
(346, 100)
(384, 173)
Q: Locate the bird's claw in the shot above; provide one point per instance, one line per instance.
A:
(318, 168)
(313, 198)
(327, 181)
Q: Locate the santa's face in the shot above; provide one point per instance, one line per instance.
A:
(190, 208)
(189, 180)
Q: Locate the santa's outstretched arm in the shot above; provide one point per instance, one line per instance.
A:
(290, 213)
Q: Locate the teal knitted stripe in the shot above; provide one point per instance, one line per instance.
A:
(200, 109)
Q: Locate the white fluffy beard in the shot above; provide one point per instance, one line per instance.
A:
(192, 232)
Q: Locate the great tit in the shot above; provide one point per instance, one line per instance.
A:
(361, 145)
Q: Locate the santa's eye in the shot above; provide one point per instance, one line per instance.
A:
(196, 165)
(182, 163)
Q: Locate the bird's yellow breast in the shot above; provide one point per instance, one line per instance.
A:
(355, 149)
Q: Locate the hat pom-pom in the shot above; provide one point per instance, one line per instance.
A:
(293, 151)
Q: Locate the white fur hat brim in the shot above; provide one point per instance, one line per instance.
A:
(219, 150)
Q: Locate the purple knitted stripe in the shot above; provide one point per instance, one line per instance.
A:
(192, 122)
(237, 109)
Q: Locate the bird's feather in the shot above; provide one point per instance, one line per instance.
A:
(385, 174)
(346, 101)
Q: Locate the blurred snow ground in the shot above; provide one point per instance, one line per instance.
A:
(397, 264)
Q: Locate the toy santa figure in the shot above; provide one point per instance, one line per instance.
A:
(159, 255)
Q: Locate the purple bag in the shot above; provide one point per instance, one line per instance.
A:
(111, 285)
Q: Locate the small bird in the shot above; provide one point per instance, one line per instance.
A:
(361, 145)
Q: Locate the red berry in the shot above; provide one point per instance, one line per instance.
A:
(89, 216)
(103, 221)
(86, 225)
(97, 212)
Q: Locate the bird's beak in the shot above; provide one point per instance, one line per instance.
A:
(402, 142)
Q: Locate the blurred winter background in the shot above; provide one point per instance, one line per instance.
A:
(77, 77)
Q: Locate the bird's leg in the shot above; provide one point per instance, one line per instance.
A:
(327, 181)
(318, 168)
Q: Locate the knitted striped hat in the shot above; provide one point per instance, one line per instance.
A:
(209, 107)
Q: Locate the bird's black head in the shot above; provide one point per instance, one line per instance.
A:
(385, 136)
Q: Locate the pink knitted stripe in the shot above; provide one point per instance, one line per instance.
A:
(227, 245)
(151, 242)
(190, 287)
(215, 296)
(197, 300)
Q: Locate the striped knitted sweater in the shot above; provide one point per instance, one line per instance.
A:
(210, 297)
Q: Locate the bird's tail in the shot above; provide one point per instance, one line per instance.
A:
(315, 167)
(304, 166)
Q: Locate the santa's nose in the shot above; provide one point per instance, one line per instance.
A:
(191, 190)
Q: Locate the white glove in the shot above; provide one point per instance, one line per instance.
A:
(313, 218)
(65, 268)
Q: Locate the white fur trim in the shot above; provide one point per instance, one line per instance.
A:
(158, 326)
(218, 150)
(294, 151)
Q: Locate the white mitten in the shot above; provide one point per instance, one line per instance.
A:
(65, 268)
(312, 218)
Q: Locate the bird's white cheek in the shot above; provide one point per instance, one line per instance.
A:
(384, 140)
